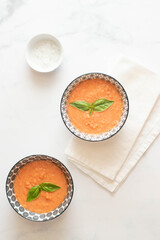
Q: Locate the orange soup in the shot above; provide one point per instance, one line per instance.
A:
(98, 122)
(35, 173)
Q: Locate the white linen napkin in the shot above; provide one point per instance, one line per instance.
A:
(109, 162)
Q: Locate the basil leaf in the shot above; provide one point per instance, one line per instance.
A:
(81, 105)
(101, 104)
(33, 193)
(48, 187)
(97, 106)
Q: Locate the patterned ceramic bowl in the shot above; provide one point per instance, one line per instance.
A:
(33, 216)
(86, 136)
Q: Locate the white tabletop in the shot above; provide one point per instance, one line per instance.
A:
(94, 34)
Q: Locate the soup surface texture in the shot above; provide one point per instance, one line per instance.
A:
(99, 122)
(35, 173)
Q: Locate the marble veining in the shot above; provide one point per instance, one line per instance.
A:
(8, 7)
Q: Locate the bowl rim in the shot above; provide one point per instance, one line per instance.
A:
(44, 36)
(103, 139)
(44, 155)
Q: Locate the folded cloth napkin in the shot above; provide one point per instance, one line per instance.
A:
(109, 162)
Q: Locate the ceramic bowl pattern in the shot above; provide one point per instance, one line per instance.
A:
(38, 217)
(94, 137)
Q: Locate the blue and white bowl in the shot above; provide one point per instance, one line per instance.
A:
(33, 216)
(94, 137)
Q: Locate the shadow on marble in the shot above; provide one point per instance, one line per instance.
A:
(44, 79)
(24, 229)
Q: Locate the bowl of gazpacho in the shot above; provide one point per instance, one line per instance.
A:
(39, 188)
(94, 106)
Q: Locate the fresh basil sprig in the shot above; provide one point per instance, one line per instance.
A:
(99, 105)
(35, 191)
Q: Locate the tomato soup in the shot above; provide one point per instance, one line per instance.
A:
(35, 173)
(98, 122)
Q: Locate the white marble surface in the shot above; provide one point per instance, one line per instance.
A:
(94, 34)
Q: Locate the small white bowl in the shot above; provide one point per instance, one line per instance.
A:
(44, 53)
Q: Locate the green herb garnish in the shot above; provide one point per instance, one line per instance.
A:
(81, 105)
(99, 105)
(35, 191)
